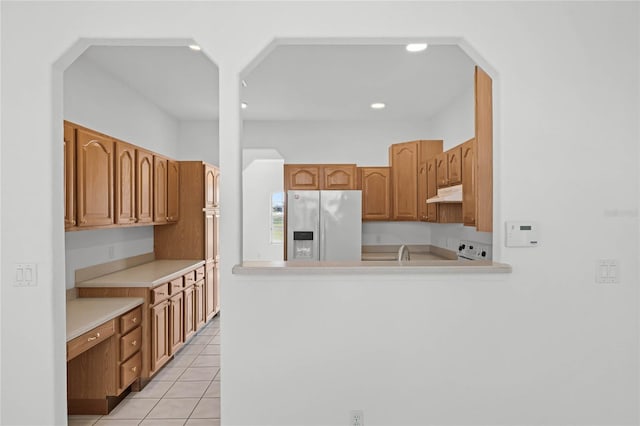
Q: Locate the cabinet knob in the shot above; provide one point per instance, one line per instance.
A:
(73, 221)
(134, 369)
(83, 221)
(92, 338)
(134, 320)
(135, 342)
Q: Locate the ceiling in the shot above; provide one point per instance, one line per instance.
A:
(299, 82)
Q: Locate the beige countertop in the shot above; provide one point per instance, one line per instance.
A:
(84, 314)
(371, 267)
(145, 275)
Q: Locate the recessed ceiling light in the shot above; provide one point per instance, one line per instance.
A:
(194, 47)
(378, 105)
(244, 105)
(416, 47)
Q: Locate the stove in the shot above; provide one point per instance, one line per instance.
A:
(473, 250)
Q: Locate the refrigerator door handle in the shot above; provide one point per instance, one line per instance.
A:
(323, 233)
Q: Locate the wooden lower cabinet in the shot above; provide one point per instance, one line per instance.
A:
(210, 291)
(103, 363)
(160, 349)
(189, 312)
(176, 318)
(199, 307)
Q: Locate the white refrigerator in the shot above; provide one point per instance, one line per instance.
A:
(324, 225)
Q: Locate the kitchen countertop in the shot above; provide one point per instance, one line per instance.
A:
(416, 252)
(145, 275)
(371, 267)
(84, 314)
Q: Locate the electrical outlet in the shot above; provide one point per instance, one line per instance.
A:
(356, 418)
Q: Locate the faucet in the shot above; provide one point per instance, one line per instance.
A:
(403, 253)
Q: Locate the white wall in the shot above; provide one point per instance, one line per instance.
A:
(260, 179)
(374, 233)
(455, 123)
(96, 99)
(362, 142)
(542, 345)
(198, 140)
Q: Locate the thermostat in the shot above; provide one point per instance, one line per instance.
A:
(522, 234)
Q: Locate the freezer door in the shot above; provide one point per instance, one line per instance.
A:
(303, 229)
(341, 225)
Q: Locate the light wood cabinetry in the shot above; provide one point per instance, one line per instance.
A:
(125, 187)
(454, 167)
(375, 183)
(468, 158)
(405, 160)
(111, 183)
(212, 190)
(301, 177)
(432, 190)
(69, 176)
(160, 190)
(338, 177)
(160, 348)
(177, 319)
(94, 161)
(199, 307)
(484, 150)
(144, 187)
(103, 363)
(189, 312)
(442, 172)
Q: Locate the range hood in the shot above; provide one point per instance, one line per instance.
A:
(450, 194)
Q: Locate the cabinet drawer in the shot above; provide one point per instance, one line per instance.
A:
(176, 285)
(130, 370)
(130, 343)
(89, 339)
(189, 278)
(200, 273)
(131, 319)
(159, 293)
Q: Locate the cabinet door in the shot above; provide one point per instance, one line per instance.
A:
(199, 307)
(210, 187)
(159, 189)
(432, 190)
(144, 187)
(216, 289)
(422, 192)
(173, 188)
(69, 176)
(209, 236)
(189, 313)
(469, 183)
(455, 165)
(338, 177)
(209, 292)
(159, 335)
(442, 173)
(125, 183)
(484, 151)
(404, 170)
(94, 156)
(301, 177)
(376, 197)
(176, 319)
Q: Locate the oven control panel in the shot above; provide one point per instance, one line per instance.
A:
(473, 250)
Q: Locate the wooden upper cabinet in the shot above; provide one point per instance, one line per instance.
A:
(454, 167)
(301, 177)
(469, 183)
(338, 177)
(94, 160)
(442, 173)
(375, 183)
(160, 189)
(432, 191)
(144, 187)
(422, 191)
(69, 176)
(173, 191)
(404, 172)
(484, 150)
(211, 190)
(125, 185)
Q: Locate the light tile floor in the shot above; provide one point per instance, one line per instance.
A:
(186, 392)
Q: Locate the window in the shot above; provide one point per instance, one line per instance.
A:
(277, 218)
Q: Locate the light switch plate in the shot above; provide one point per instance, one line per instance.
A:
(25, 275)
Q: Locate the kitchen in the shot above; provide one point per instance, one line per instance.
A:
(102, 67)
(544, 344)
